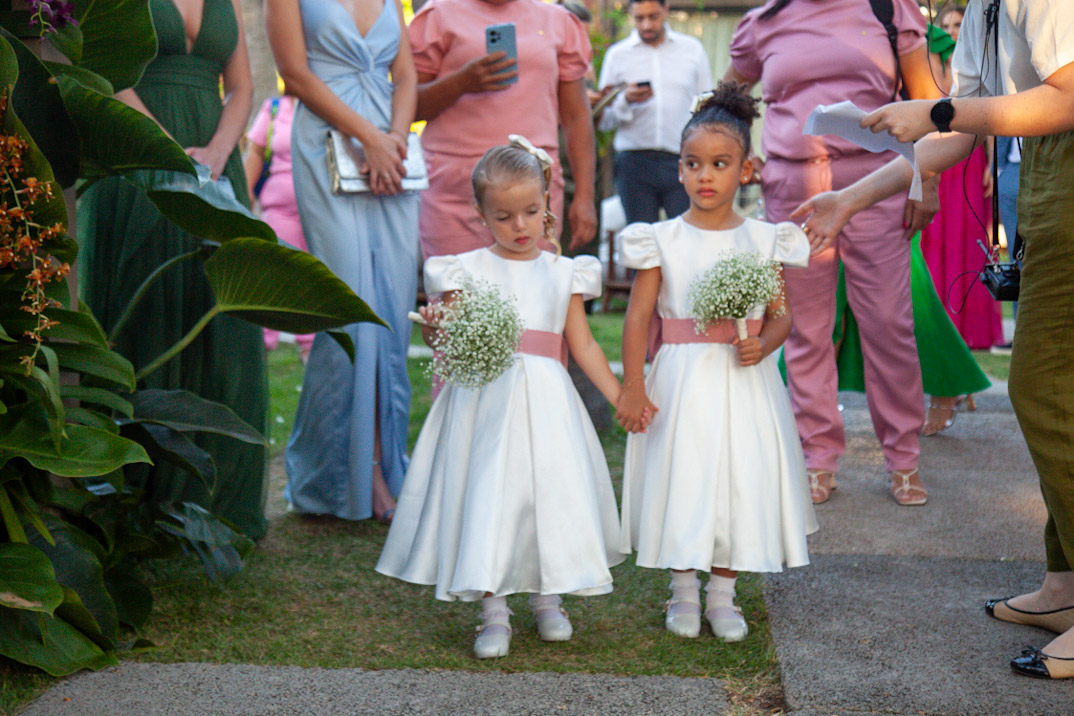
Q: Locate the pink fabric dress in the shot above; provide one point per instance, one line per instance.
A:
(949, 246)
(277, 200)
(553, 47)
(815, 53)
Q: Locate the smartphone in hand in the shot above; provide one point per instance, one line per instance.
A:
(644, 83)
(501, 38)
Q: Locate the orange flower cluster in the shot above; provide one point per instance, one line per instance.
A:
(24, 242)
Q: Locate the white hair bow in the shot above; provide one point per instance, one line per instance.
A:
(517, 140)
(699, 100)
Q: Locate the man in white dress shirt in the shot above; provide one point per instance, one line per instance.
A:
(661, 72)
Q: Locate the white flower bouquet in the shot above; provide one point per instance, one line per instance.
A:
(479, 333)
(732, 287)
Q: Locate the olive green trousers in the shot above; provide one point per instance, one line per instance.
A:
(1042, 362)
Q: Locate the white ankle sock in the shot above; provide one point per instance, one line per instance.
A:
(721, 592)
(540, 602)
(684, 580)
(490, 605)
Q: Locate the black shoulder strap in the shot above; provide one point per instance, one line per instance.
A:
(885, 13)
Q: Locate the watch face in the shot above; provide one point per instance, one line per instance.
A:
(942, 113)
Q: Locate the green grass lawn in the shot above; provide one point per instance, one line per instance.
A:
(309, 595)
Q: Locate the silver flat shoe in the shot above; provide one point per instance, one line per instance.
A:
(493, 635)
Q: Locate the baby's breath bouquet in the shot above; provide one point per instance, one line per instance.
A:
(480, 332)
(736, 283)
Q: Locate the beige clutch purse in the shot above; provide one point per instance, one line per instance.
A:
(345, 155)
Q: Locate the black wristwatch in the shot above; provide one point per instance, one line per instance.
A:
(942, 113)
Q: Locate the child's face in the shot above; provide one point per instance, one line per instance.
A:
(712, 167)
(514, 212)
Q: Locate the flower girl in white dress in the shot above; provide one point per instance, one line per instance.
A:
(508, 490)
(717, 482)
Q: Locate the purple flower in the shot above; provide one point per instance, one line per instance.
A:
(51, 15)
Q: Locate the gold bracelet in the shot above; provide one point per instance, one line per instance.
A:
(633, 382)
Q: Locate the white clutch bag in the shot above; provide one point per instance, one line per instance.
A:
(345, 155)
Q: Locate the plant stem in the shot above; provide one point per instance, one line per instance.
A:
(178, 347)
(150, 279)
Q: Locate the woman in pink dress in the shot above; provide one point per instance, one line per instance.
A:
(277, 196)
(470, 106)
(949, 245)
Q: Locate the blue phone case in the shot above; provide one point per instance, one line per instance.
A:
(502, 38)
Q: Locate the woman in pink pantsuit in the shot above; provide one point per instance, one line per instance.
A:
(807, 54)
(469, 110)
(277, 198)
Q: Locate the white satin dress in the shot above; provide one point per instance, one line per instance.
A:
(508, 490)
(718, 480)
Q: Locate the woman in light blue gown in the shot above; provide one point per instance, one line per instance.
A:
(347, 452)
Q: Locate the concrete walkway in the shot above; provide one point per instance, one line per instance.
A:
(888, 619)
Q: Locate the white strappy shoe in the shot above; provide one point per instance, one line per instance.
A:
(683, 611)
(552, 621)
(494, 634)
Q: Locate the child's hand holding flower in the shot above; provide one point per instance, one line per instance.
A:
(751, 350)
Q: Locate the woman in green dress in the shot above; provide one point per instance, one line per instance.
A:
(124, 238)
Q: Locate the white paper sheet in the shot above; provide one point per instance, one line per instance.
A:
(844, 120)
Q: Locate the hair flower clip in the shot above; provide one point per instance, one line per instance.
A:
(700, 100)
(517, 140)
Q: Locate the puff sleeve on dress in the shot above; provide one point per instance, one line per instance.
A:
(791, 247)
(587, 277)
(444, 273)
(637, 247)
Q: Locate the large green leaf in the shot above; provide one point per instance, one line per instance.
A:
(206, 210)
(84, 77)
(95, 361)
(74, 612)
(83, 451)
(98, 396)
(50, 644)
(37, 101)
(183, 411)
(282, 288)
(27, 580)
(76, 559)
(173, 447)
(118, 39)
(117, 139)
(134, 600)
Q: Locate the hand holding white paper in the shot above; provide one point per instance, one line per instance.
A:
(844, 120)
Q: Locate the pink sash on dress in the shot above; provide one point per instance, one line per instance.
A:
(683, 330)
(535, 343)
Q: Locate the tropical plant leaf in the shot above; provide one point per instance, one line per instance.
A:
(100, 120)
(38, 103)
(186, 412)
(83, 451)
(50, 644)
(219, 545)
(87, 78)
(74, 612)
(93, 360)
(20, 497)
(277, 287)
(163, 443)
(76, 559)
(209, 211)
(27, 580)
(93, 419)
(134, 600)
(118, 39)
(10, 519)
(68, 40)
(344, 341)
(97, 396)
